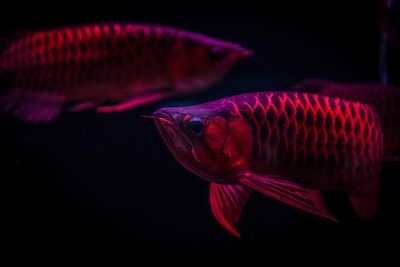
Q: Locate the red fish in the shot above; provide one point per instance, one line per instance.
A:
(131, 64)
(385, 98)
(288, 146)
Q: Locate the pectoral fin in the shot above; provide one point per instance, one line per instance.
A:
(227, 202)
(289, 193)
(83, 106)
(134, 102)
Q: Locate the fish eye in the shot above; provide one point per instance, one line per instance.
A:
(217, 53)
(195, 125)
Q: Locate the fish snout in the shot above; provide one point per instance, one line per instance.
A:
(160, 113)
(240, 53)
(166, 116)
(245, 53)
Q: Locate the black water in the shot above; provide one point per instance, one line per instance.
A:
(109, 179)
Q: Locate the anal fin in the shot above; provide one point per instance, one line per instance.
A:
(288, 192)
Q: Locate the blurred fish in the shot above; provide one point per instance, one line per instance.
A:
(385, 98)
(389, 25)
(131, 64)
(287, 146)
(388, 21)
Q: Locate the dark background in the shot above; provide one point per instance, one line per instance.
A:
(89, 179)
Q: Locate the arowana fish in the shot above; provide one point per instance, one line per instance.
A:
(288, 146)
(131, 64)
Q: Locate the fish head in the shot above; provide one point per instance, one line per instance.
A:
(209, 140)
(197, 61)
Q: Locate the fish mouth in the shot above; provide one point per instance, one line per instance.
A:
(215, 74)
(221, 69)
(177, 142)
(237, 54)
(234, 57)
(166, 127)
(245, 53)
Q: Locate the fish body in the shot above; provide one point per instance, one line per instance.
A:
(288, 146)
(90, 64)
(385, 99)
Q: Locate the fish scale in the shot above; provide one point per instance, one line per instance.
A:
(385, 99)
(335, 151)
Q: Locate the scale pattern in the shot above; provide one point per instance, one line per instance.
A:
(385, 98)
(317, 140)
(62, 58)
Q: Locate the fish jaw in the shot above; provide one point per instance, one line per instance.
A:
(216, 74)
(178, 143)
